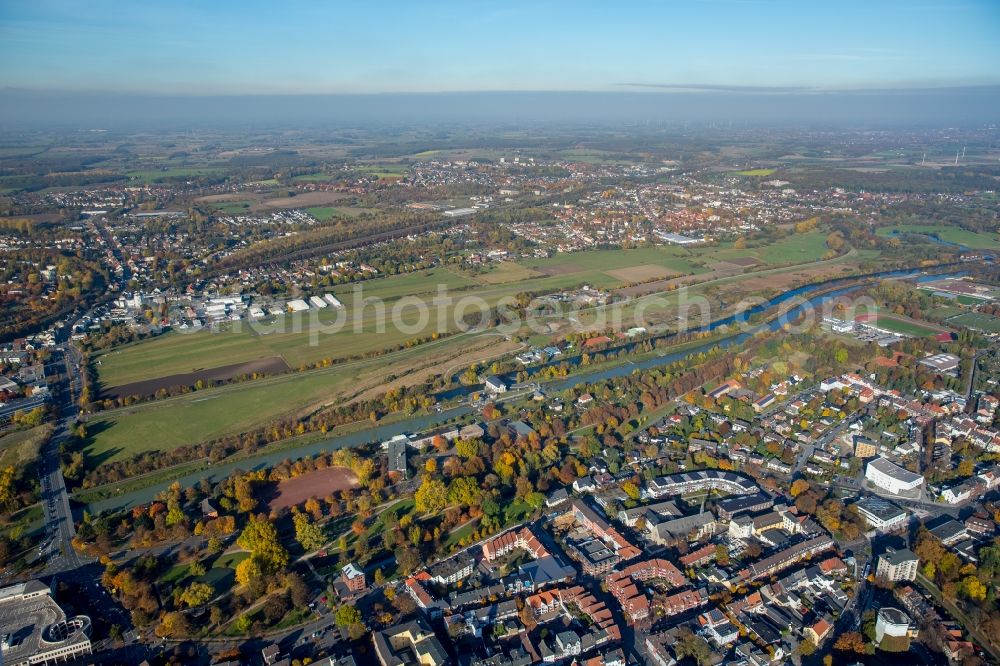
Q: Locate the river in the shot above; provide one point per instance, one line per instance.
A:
(379, 433)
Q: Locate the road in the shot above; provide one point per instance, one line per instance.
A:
(55, 498)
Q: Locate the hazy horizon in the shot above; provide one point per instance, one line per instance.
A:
(958, 106)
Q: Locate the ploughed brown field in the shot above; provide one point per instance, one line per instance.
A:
(271, 365)
(320, 483)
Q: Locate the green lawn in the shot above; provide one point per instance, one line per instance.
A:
(233, 207)
(455, 538)
(949, 234)
(904, 326)
(757, 173)
(794, 249)
(178, 352)
(312, 178)
(20, 448)
(203, 415)
(944, 311)
(400, 509)
(977, 321)
(669, 256)
(324, 213)
(174, 574)
(175, 353)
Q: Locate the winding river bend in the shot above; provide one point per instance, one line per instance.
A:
(822, 293)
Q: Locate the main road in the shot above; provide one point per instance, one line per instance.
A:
(55, 498)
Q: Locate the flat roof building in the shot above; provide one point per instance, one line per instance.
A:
(897, 565)
(941, 362)
(35, 630)
(891, 477)
(881, 514)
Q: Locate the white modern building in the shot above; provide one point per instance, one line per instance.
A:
(891, 477)
(891, 622)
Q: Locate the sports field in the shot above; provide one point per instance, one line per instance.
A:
(900, 325)
(977, 321)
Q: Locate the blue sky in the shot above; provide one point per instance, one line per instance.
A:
(218, 46)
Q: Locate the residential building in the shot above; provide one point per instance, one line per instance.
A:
(408, 643)
(896, 565)
(354, 578)
(495, 385)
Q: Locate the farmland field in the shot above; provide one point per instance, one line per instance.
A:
(312, 178)
(155, 175)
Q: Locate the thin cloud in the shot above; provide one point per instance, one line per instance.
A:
(700, 87)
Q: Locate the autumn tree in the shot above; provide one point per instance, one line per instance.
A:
(309, 535)
(197, 594)
(431, 496)
(260, 537)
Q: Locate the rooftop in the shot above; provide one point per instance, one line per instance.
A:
(890, 468)
(882, 509)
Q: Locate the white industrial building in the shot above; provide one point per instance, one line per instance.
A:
(298, 305)
(891, 477)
